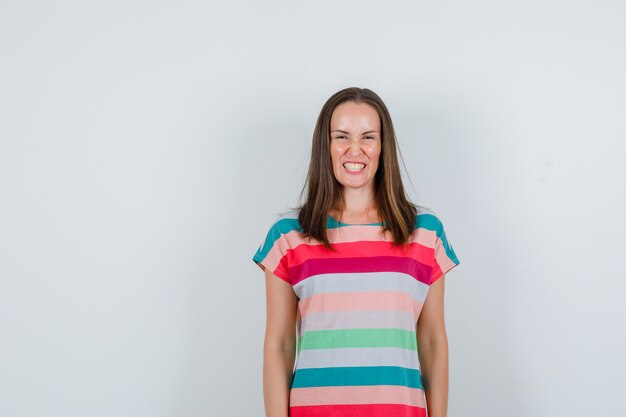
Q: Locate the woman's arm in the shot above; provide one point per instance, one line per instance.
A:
(279, 347)
(433, 350)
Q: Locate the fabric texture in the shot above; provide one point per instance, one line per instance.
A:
(358, 307)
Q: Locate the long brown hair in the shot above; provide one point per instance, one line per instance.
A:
(324, 192)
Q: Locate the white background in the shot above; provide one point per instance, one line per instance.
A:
(146, 146)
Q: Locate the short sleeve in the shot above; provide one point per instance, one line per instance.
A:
(445, 257)
(272, 252)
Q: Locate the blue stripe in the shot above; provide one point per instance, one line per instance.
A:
(432, 222)
(357, 375)
(279, 228)
(285, 225)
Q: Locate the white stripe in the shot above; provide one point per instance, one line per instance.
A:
(361, 281)
(383, 356)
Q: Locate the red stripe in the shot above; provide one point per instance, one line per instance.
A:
(357, 410)
(436, 273)
(417, 251)
(282, 270)
(406, 265)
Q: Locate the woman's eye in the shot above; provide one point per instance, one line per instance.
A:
(369, 137)
(340, 137)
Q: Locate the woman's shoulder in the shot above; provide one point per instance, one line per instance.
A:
(288, 213)
(282, 223)
(427, 218)
(285, 220)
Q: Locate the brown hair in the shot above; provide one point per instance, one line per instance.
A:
(324, 192)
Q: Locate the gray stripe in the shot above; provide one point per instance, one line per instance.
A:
(361, 281)
(331, 320)
(387, 356)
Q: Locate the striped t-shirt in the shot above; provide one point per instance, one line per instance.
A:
(357, 352)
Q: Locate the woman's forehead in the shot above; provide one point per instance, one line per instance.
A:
(354, 116)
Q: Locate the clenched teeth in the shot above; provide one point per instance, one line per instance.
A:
(353, 167)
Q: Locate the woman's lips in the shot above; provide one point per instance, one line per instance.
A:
(353, 167)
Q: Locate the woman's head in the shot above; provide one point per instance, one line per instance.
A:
(343, 104)
(355, 144)
(362, 118)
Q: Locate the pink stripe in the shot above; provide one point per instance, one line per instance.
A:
(344, 234)
(371, 300)
(442, 259)
(376, 394)
(358, 233)
(275, 255)
(294, 238)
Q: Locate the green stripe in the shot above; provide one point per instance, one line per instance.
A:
(330, 339)
(357, 375)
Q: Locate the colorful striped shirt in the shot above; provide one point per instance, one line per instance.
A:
(358, 307)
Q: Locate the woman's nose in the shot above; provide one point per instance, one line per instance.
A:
(355, 147)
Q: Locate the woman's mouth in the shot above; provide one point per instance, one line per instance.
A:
(353, 168)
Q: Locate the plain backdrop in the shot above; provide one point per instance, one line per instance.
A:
(146, 146)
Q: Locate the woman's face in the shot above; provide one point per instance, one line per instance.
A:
(355, 144)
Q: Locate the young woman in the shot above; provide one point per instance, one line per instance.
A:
(354, 280)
